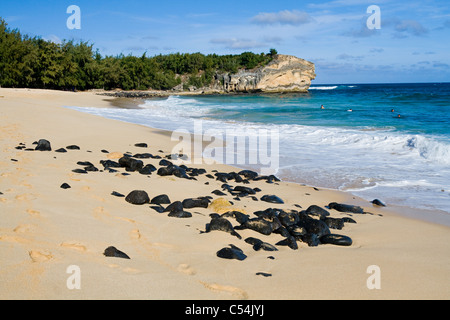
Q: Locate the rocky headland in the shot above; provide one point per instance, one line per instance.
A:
(284, 74)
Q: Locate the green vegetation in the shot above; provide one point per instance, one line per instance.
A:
(27, 62)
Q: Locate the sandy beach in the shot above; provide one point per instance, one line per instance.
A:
(45, 229)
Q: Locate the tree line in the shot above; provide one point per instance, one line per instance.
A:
(31, 62)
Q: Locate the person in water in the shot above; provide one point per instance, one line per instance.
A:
(322, 107)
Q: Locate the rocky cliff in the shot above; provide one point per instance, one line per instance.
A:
(283, 74)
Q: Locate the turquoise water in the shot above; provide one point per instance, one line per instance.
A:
(370, 151)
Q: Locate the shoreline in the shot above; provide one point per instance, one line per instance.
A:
(427, 215)
(46, 229)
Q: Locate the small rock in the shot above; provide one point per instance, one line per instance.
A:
(65, 186)
(264, 274)
(117, 194)
(272, 199)
(180, 214)
(114, 253)
(141, 145)
(379, 203)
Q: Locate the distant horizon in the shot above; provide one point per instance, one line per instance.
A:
(370, 83)
(365, 41)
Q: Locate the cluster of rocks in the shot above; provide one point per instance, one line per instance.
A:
(313, 226)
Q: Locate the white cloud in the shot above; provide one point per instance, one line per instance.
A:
(53, 38)
(285, 17)
(238, 44)
(411, 26)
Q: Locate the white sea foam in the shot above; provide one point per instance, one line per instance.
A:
(383, 163)
(324, 88)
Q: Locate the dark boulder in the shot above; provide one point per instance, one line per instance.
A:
(196, 203)
(259, 225)
(317, 211)
(162, 199)
(138, 197)
(43, 145)
(291, 242)
(346, 208)
(337, 240)
(315, 226)
(131, 164)
(232, 252)
(174, 207)
(221, 224)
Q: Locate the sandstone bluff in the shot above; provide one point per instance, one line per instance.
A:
(284, 74)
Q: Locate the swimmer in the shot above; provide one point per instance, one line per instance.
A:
(322, 107)
(350, 110)
(392, 110)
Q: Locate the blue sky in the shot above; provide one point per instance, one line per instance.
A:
(413, 44)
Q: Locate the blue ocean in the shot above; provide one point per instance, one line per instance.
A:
(385, 141)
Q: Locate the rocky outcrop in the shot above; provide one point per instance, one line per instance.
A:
(283, 74)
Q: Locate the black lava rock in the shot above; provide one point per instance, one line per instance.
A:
(259, 225)
(110, 164)
(195, 203)
(43, 145)
(175, 207)
(65, 186)
(81, 171)
(232, 253)
(291, 242)
(378, 203)
(315, 226)
(114, 253)
(117, 194)
(131, 164)
(138, 197)
(180, 214)
(162, 199)
(141, 145)
(346, 208)
(336, 239)
(221, 224)
(272, 199)
(317, 211)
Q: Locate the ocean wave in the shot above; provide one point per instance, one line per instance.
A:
(323, 88)
(332, 87)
